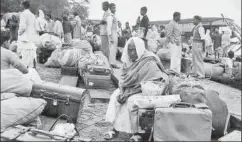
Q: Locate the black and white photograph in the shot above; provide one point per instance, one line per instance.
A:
(120, 71)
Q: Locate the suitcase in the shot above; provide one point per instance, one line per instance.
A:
(97, 81)
(100, 69)
(25, 134)
(72, 71)
(183, 122)
(69, 80)
(61, 99)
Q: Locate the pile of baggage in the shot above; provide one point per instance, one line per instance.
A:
(224, 71)
(69, 54)
(188, 113)
(37, 97)
(96, 73)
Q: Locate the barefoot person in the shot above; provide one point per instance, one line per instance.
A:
(137, 65)
(198, 48)
(112, 28)
(173, 34)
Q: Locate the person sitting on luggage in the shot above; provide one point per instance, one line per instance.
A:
(9, 58)
(138, 65)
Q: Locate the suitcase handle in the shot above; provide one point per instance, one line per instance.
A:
(182, 105)
(34, 132)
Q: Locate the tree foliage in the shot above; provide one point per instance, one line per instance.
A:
(54, 7)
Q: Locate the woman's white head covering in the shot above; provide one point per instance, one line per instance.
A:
(41, 14)
(140, 49)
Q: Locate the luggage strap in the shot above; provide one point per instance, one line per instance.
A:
(189, 105)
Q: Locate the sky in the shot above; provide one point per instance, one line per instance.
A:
(129, 10)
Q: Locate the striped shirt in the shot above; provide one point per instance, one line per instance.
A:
(173, 32)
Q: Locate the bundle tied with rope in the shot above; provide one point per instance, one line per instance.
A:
(190, 91)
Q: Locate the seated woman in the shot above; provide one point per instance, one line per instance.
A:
(138, 65)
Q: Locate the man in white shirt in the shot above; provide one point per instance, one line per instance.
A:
(112, 28)
(174, 39)
(198, 48)
(27, 35)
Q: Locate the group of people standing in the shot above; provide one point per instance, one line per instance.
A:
(111, 30)
(27, 29)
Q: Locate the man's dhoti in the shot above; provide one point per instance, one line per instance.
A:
(113, 52)
(27, 51)
(105, 45)
(197, 59)
(175, 57)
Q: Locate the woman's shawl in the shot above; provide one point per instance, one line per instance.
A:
(147, 68)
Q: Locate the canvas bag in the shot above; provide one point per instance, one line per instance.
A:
(13, 81)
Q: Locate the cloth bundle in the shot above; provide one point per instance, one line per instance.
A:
(190, 92)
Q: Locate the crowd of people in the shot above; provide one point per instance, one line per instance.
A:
(138, 55)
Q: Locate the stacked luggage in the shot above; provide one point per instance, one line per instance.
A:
(97, 76)
(198, 114)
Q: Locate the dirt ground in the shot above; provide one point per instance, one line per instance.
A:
(93, 125)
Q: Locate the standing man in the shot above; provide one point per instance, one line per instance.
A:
(198, 48)
(143, 23)
(58, 28)
(173, 34)
(127, 28)
(77, 26)
(67, 29)
(217, 41)
(112, 28)
(50, 22)
(119, 29)
(103, 29)
(27, 36)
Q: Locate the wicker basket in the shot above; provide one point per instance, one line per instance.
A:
(153, 88)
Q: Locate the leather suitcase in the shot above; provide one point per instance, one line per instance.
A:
(24, 134)
(97, 81)
(100, 69)
(61, 99)
(183, 122)
(72, 71)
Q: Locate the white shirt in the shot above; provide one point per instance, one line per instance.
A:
(27, 27)
(201, 31)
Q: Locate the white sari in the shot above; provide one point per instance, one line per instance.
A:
(121, 115)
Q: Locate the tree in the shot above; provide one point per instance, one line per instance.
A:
(54, 7)
(10, 5)
(81, 7)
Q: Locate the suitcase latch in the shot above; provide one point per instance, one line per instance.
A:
(42, 92)
(67, 100)
(55, 102)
